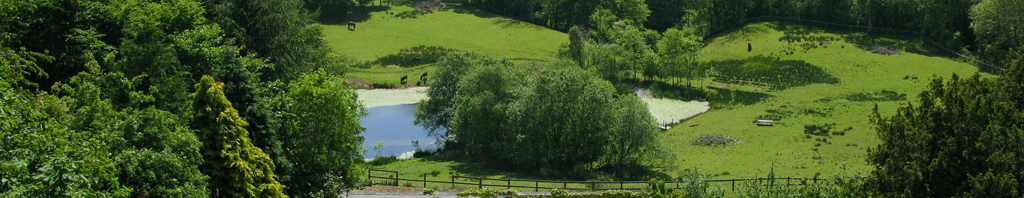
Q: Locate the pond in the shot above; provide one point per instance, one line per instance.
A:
(393, 125)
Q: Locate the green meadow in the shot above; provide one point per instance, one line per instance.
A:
(384, 31)
(820, 91)
(819, 85)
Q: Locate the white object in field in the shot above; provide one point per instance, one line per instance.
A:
(765, 123)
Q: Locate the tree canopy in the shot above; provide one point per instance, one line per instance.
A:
(964, 139)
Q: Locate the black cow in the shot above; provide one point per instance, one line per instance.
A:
(352, 25)
(404, 79)
(423, 76)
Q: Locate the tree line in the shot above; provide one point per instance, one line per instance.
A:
(178, 98)
(986, 28)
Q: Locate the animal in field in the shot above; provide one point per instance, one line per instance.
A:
(424, 76)
(404, 79)
(352, 25)
(749, 47)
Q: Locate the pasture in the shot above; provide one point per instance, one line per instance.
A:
(386, 35)
(818, 84)
(820, 91)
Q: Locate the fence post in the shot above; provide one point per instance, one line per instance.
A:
(369, 175)
(593, 186)
(481, 180)
(396, 178)
(536, 186)
(453, 181)
(565, 185)
(621, 185)
(424, 180)
(734, 185)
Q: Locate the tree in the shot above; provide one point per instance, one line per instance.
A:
(434, 113)
(236, 167)
(634, 143)
(563, 116)
(999, 26)
(279, 31)
(321, 134)
(679, 51)
(40, 156)
(964, 139)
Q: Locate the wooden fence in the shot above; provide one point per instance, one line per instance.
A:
(391, 177)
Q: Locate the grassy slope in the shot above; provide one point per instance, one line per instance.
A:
(785, 145)
(461, 28)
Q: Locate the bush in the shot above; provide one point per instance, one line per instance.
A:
(559, 192)
(429, 191)
(380, 161)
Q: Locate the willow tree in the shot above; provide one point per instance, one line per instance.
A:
(236, 167)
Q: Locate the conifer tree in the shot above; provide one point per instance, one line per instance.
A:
(236, 167)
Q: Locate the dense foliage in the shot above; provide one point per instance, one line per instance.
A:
(236, 167)
(96, 99)
(321, 135)
(549, 118)
(988, 27)
(964, 139)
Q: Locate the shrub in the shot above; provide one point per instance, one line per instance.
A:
(380, 161)
(559, 192)
(429, 191)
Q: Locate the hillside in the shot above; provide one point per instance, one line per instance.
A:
(462, 28)
(825, 81)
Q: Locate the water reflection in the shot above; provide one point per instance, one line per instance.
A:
(393, 124)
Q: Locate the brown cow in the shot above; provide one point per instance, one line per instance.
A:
(352, 25)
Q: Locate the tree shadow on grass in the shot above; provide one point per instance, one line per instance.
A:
(910, 44)
(467, 9)
(771, 72)
(746, 32)
(358, 14)
(718, 97)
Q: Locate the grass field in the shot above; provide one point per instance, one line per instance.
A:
(383, 31)
(819, 85)
(827, 81)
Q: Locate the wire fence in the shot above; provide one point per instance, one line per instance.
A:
(391, 178)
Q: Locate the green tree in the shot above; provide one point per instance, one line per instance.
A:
(964, 139)
(322, 134)
(564, 116)
(41, 156)
(679, 51)
(999, 25)
(279, 31)
(236, 167)
(435, 113)
(634, 144)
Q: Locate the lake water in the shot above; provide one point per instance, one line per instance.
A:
(393, 125)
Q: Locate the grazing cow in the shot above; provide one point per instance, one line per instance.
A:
(749, 47)
(423, 76)
(404, 79)
(417, 59)
(351, 25)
